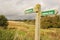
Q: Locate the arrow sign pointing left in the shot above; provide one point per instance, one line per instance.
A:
(29, 10)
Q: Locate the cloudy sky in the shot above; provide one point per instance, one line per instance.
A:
(14, 9)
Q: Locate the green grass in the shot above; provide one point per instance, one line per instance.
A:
(46, 34)
(6, 34)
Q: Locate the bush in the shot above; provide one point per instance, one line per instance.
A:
(3, 21)
(50, 22)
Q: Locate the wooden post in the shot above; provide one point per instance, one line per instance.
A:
(37, 9)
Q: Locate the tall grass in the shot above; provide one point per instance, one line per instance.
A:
(45, 34)
(27, 32)
(6, 34)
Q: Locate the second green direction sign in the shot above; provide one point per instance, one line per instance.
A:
(49, 12)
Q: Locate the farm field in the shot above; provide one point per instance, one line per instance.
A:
(24, 31)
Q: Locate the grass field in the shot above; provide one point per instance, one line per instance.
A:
(24, 31)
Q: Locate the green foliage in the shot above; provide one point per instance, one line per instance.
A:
(7, 34)
(3, 21)
(50, 22)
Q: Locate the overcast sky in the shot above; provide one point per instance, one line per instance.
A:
(14, 9)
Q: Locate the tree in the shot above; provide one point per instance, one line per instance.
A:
(3, 21)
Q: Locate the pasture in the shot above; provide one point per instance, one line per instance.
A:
(24, 31)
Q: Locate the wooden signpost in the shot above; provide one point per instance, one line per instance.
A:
(37, 9)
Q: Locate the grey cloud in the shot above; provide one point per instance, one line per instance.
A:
(14, 9)
(21, 17)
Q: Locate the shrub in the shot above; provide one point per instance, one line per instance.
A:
(50, 22)
(3, 21)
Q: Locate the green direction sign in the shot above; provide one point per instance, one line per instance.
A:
(29, 10)
(44, 13)
(50, 12)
